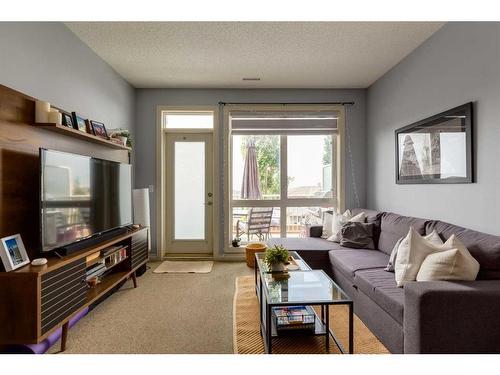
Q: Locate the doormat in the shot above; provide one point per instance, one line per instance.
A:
(170, 266)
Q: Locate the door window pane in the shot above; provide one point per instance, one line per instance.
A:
(189, 191)
(190, 120)
(309, 166)
(256, 167)
(298, 219)
(255, 223)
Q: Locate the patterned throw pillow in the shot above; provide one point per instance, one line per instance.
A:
(327, 224)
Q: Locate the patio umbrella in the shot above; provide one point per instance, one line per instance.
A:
(250, 186)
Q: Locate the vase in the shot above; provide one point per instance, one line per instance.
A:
(123, 140)
(278, 267)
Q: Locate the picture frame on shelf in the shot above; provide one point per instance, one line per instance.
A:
(99, 129)
(13, 252)
(79, 123)
(67, 119)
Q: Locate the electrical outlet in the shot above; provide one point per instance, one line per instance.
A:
(151, 188)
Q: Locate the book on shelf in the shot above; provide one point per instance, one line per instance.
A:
(95, 270)
(91, 257)
(294, 317)
(110, 250)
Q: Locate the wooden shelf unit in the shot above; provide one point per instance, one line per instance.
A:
(62, 129)
(31, 294)
(38, 300)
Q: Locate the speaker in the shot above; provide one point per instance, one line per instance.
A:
(141, 207)
(141, 211)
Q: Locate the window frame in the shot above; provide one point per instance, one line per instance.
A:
(337, 200)
(191, 110)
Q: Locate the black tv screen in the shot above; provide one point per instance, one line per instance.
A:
(82, 197)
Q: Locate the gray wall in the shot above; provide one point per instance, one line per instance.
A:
(458, 64)
(49, 62)
(148, 99)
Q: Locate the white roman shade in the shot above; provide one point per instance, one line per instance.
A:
(245, 122)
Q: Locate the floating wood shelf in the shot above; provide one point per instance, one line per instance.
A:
(62, 129)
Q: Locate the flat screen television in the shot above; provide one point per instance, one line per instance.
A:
(81, 197)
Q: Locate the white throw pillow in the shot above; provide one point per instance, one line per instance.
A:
(411, 253)
(433, 237)
(340, 220)
(359, 218)
(327, 224)
(454, 264)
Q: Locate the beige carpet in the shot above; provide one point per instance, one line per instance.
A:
(247, 338)
(191, 266)
(167, 313)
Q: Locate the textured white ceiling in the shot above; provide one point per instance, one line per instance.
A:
(282, 54)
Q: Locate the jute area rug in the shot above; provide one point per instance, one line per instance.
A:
(184, 267)
(246, 329)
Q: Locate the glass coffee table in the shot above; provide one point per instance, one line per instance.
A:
(301, 287)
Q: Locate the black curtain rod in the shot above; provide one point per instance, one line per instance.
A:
(322, 103)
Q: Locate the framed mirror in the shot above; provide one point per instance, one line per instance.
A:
(436, 150)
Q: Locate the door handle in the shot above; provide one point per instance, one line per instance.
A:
(209, 203)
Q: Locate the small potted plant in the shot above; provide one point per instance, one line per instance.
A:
(123, 135)
(236, 242)
(276, 257)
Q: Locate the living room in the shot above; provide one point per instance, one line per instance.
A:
(195, 185)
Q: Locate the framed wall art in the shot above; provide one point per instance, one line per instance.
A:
(436, 150)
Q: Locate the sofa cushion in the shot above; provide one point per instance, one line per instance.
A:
(394, 226)
(485, 248)
(381, 287)
(350, 261)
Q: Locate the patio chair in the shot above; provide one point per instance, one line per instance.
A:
(258, 223)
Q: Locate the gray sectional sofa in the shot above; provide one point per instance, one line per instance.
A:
(422, 317)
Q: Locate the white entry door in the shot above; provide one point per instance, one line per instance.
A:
(189, 225)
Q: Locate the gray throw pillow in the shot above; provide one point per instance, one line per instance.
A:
(392, 258)
(357, 235)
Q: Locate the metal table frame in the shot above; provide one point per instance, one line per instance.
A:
(266, 319)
